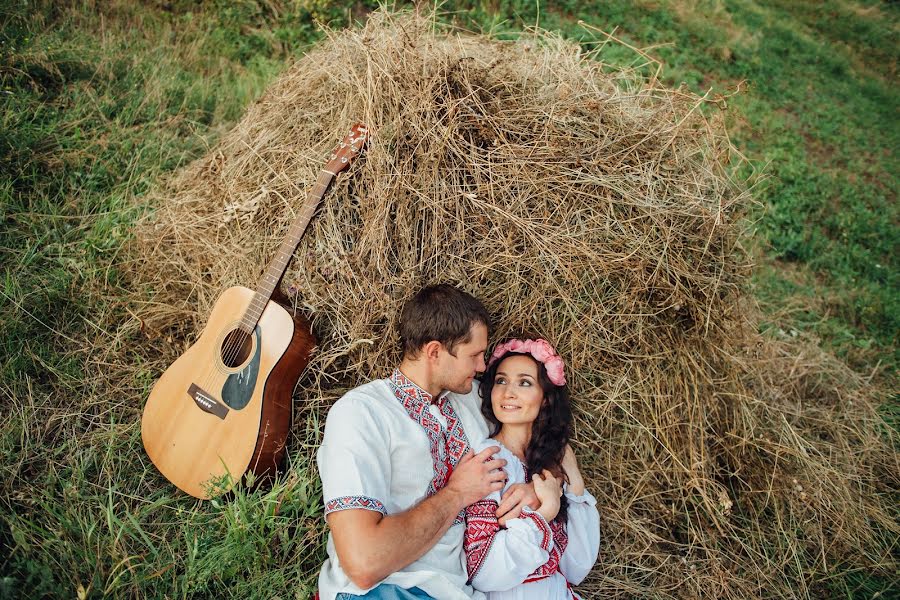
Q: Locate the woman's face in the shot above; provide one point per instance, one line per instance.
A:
(517, 394)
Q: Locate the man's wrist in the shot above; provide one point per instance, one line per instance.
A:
(453, 497)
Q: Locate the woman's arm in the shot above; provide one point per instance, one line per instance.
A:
(499, 559)
(573, 473)
(583, 529)
(582, 526)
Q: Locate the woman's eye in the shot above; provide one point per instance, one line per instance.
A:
(526, 383)
(500, 380)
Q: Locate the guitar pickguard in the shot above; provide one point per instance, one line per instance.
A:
(238, 388)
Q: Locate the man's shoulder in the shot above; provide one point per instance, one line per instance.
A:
(377, 389)
(365, 416)
(363, 402)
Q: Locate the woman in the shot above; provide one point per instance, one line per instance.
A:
(541, 553)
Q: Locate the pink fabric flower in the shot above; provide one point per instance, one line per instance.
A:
(542, 352)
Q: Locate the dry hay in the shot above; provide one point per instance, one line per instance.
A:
(587, 204)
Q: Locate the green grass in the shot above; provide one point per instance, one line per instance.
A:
(100, 101)
(96, 109)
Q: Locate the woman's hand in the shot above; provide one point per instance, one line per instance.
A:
(516, 497)
(570, 466)
(548, 489)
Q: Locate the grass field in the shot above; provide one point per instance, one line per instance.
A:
(100, 101)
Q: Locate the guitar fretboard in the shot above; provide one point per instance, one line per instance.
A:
(277, 267)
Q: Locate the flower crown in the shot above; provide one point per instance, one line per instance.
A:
(542, 352)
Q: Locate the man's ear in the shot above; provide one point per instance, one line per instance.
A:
(432, 350)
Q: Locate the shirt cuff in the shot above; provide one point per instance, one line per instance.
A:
(538, 520)
(585, 498)
(354, 502)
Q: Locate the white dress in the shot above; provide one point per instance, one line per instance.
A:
(387, 446)
(530, 559)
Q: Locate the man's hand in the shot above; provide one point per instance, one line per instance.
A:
(518, 496)
(477, 475)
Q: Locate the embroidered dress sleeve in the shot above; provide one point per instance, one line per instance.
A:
(583, 529)
(354, 459)
(499, 559)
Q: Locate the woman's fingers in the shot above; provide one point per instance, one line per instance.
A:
(552, 480)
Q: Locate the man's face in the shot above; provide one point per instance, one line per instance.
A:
(458, 372)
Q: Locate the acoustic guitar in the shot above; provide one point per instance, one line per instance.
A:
(223, 408)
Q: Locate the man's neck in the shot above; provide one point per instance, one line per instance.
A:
(420, 374)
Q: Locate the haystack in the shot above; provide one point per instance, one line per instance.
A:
(588, 204)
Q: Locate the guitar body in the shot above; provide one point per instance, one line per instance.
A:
(224, 406)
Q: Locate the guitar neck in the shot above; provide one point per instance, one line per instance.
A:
(278, 266)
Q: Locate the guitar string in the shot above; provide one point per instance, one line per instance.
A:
(233, 349)
(237, 343)
(238, 337)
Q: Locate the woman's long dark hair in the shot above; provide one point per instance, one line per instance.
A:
(550, 431)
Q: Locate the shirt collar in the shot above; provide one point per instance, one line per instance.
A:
(404, 383)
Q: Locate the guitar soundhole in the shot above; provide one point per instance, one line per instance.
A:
(236, 348)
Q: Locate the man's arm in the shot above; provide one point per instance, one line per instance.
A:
(371, 546)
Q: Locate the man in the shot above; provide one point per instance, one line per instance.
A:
(396, 466)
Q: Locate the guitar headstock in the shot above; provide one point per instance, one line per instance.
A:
(348, 149)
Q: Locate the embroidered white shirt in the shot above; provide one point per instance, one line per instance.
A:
(386, 448)
(530, 559)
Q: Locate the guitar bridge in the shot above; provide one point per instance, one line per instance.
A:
(206, 402)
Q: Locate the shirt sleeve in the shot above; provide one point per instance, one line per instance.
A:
(499, 559)
(354, 459)
(583, 529)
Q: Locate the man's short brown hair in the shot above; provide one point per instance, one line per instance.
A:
(442, 313)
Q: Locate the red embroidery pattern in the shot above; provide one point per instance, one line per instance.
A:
(348, 502)
(481, 527)
(447, 446)
(560, 541)
(541, 524)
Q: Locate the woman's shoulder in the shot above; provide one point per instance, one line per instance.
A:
(487, 443)
(514, 468)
